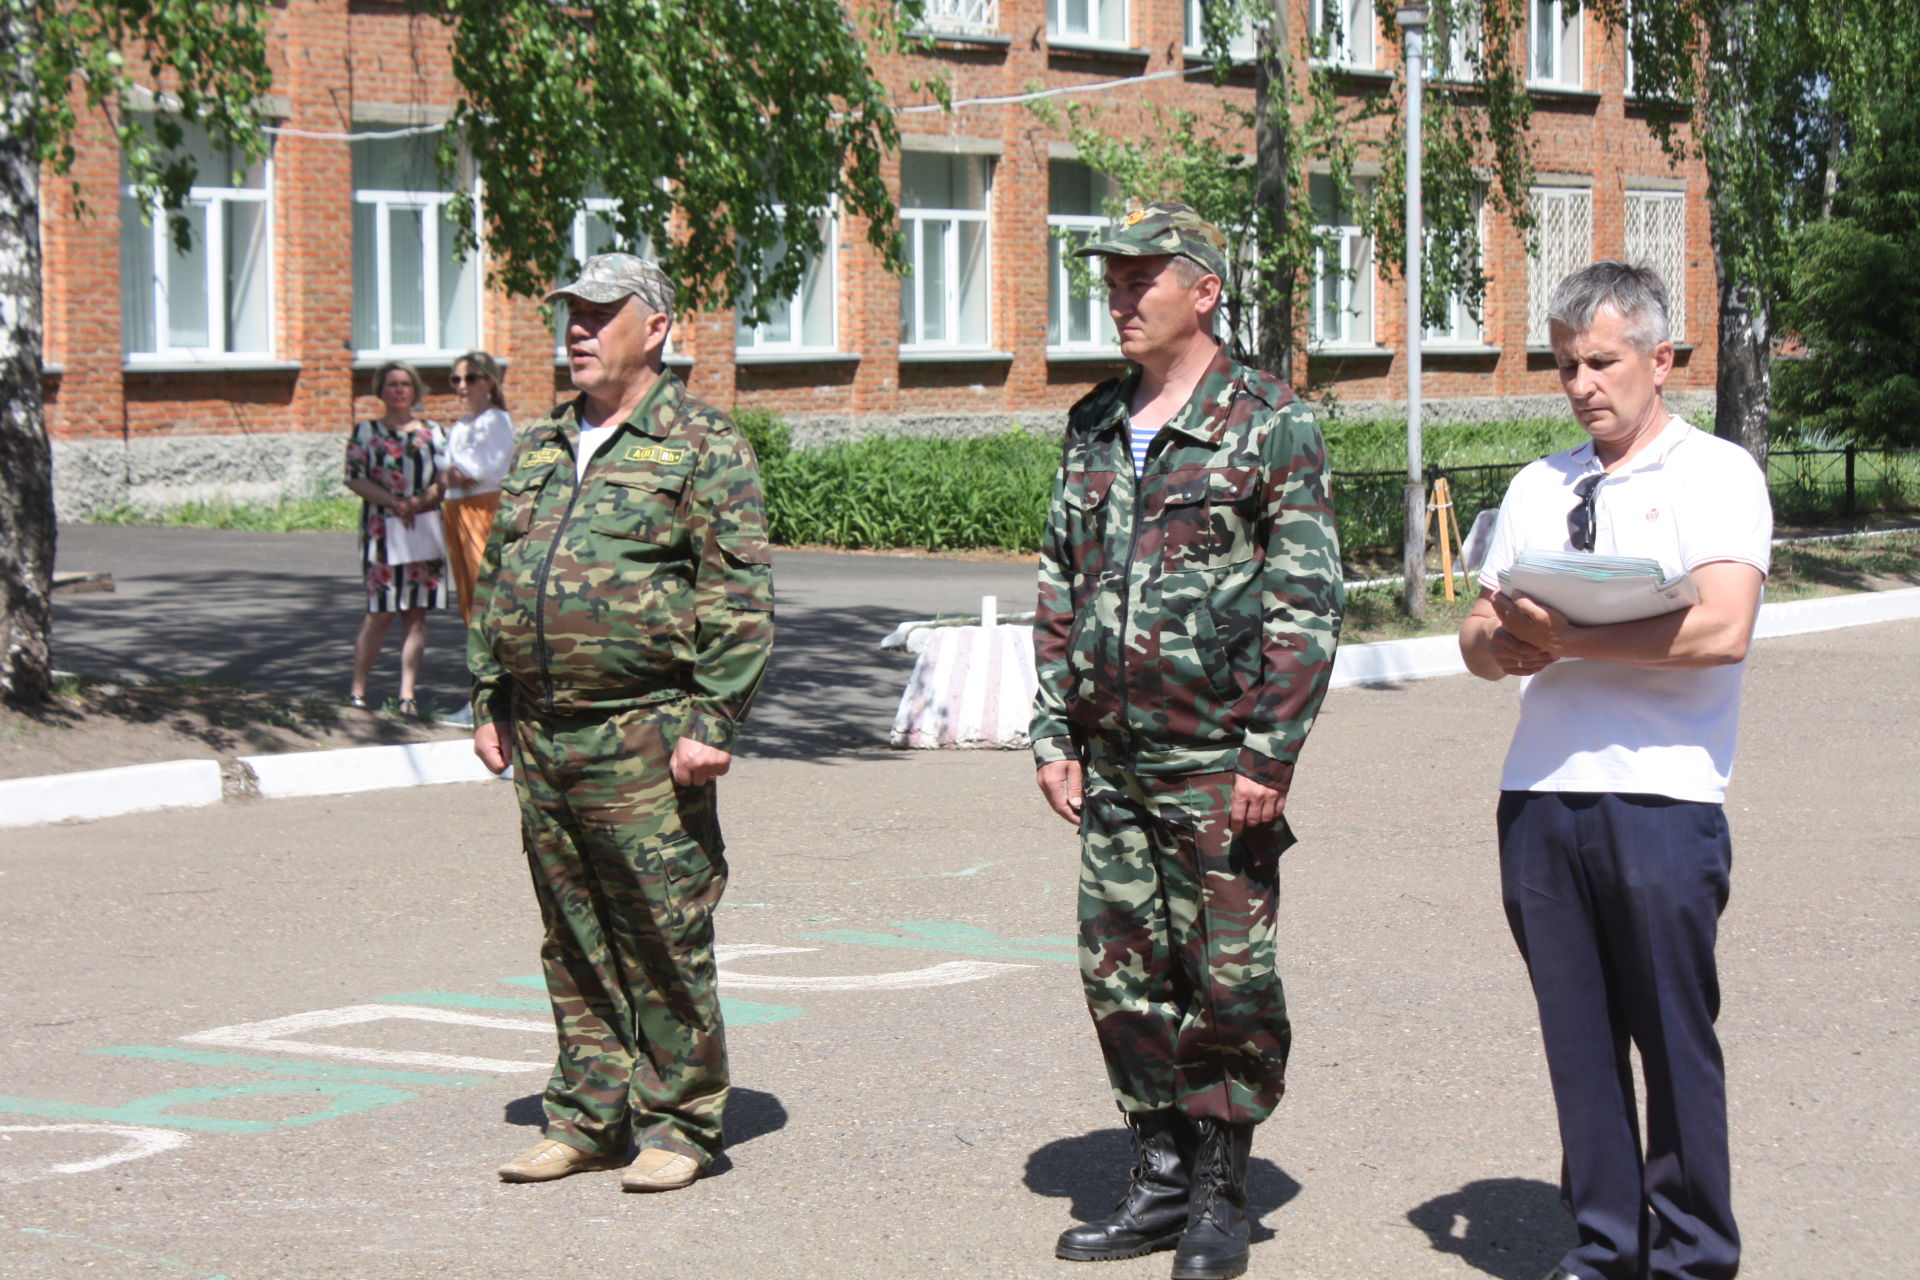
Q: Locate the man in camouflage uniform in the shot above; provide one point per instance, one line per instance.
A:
(621, 627)
(1189, 606)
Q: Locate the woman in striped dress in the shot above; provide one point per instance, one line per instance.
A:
(390, 464)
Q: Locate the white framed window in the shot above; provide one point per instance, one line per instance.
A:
(593, 232)
(1087, 21)
(1657, 238)
(1347, 28)
(803, 321)
(1553, 44)
(1343, 270)
(1455, 44)
(1458, 327)
(1562, 244)
(943, 216)
(411, 294)
(214, 301)
(961, 17)
(1076, 215)
(1195, 41)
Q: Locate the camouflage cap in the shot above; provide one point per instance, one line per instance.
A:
(1165, 226)
(609, 277)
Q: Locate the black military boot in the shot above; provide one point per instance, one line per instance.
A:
(1154, 1212)
(1214, 1246)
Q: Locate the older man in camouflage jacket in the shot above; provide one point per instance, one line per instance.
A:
(1189, 606)
(620, 630)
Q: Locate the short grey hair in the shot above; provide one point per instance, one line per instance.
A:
(1189, 273)
(1636, 294)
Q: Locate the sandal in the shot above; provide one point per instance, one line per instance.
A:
(358, 701)
(409, 708)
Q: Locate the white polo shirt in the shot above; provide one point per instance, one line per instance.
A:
(1687, 499)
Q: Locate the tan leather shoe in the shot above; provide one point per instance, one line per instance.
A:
(657, 1169)
(549, 1159)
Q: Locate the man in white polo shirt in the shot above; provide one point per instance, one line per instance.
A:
(1614, 854)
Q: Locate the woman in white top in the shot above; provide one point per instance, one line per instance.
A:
(479, 449)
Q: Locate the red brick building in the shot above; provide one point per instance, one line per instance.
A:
(238, 368)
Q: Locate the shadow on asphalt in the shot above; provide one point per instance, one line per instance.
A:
(1091, 1172)
(1510, 1228)
(830, 688)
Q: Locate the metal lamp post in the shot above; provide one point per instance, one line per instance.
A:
(1413, 21)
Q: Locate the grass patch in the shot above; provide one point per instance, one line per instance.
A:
(1382, 446)
(316, 514)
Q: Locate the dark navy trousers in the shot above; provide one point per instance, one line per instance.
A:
(1615, 902)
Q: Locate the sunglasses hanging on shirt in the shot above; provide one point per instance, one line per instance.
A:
(1580, 520)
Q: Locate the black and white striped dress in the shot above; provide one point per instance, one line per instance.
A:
(401, 461)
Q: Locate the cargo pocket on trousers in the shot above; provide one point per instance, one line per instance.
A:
(695, 881)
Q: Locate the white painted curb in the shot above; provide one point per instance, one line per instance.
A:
(1393, 661)
(349, 769)
(103, 793)
(1830, 613)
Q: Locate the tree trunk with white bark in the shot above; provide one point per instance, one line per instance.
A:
(26, 467)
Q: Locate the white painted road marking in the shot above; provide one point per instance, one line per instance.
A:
(274, 1035)
(937, 975)
(136, 1141)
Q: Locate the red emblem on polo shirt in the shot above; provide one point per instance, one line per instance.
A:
(1653, 513)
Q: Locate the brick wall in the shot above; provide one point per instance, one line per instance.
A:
(339, 61)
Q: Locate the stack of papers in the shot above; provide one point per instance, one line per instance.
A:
(1594, 591)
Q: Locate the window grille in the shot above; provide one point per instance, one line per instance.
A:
(1562, 244)
(962, 17)
(1657, 238)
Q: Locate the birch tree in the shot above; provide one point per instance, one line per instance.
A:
(58, 62)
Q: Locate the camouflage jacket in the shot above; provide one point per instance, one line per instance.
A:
(1187, 620)
(651, 581)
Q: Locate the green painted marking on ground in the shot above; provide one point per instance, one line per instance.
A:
(738, 1013)
(297, 1068)
(960, 939)
(158, 1259)
(158, 1109)
(748, 1013)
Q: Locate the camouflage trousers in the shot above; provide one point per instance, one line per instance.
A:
(628, 868)
(1177, 945)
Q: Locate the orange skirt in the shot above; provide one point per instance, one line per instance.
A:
(468, 522)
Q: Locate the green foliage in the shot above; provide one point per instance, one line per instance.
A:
(767, 432)
(719, 108)
(940, 495)
(1852, 284)
(213, 53)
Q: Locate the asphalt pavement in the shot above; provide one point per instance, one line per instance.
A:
(279, 612)
(290, 1040)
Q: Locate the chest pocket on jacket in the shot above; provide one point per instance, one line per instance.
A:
(519, 495)
(1086, 493)
(1208, 518)
(640, 508)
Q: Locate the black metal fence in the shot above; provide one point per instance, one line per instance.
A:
(1807, 485)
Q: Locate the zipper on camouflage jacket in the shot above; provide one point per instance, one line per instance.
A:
(541, 649)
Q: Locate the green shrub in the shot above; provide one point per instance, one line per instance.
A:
(767, 432)
(942, 495)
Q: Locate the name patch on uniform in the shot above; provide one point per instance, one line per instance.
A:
(539, 457)
(664, 454)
